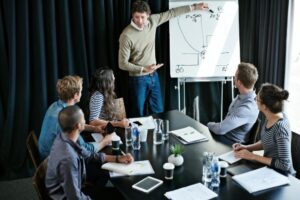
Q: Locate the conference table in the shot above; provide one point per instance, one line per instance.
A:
(191, 170)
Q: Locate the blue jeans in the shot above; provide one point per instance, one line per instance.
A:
(145, 92)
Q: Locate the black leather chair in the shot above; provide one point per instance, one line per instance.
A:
(296, 153)
(254, 132)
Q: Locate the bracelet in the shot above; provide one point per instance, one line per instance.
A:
(117, 158)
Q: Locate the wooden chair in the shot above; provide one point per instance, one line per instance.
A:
(296, 153)
(32, 147)
(38, 180)
(120, 108)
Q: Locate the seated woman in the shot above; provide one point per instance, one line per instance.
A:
(275, 133)
(102, 95)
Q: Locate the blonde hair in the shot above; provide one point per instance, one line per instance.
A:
(68, 86)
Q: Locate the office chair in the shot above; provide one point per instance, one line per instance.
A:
(296, 153)
(254, 132)
(32, 146)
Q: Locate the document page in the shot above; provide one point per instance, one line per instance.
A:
(98, 137)
(229, 157)
(189, 135)
(261, 179)
(147, 122)
(193, 192)
(135, 168)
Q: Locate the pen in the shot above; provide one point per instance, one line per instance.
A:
(210, 10)
(122, 152)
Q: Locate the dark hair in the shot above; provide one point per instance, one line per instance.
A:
(273, 96)
(102, 81)
(141, 7)
(68, 117)
(247, 74)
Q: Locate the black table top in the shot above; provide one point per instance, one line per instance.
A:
(191, 170)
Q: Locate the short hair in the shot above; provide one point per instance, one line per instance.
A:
(68, 86)
(273, 96)
(68, 117)
(141, 7)
(247, 74)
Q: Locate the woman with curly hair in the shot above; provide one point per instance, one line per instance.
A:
(102, 95)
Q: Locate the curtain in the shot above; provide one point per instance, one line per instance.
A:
(44, 40)
(263, 36)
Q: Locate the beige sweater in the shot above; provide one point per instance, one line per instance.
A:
(137, 47)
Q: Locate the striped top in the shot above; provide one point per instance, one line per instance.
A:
(96, 105)
(276, 142)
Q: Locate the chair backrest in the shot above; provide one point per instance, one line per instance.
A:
(32, 146)
(120, 108)
(296, 153)
(38, 180)
(254, 132)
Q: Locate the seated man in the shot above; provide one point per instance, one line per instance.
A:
(66, 166)
(69, 92)
(243, 111)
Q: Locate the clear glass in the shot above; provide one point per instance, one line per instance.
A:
(128, 136)
(157, 132)
(165, 130)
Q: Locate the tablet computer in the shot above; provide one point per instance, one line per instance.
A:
(147, 184)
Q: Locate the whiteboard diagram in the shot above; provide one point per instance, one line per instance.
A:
(203, 43)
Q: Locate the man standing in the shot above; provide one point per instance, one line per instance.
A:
(137, 55)
(243, 111)
(66, 166)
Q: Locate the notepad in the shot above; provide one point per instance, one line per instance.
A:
(229, 157)
(193, 192)
(261, 179)
(146, 122)
(189, 135)
(135, 168)
(98, 137)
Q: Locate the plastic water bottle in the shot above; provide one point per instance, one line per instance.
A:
(215, 172)
(136, 144)
(206, 168)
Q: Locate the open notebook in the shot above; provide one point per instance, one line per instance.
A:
(189, 135)
(261, 179)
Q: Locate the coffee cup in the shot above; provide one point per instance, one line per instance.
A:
(223, 165)
(143, 134)
(115, 142)
(169, 170)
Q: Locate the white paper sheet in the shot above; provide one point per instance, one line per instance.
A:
(135, 168)
(189, 135)
(229, 157)
(147, 122)
(261, 179)
(193, 192)
(98, 137)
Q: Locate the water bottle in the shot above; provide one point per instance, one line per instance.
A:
(215, 172)
(206, 167)
(136, 144)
